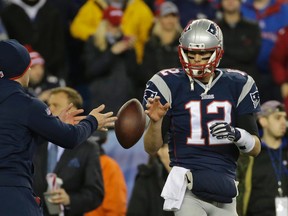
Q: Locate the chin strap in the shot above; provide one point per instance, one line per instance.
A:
(191, 83)
(208, 70)
(208, 86)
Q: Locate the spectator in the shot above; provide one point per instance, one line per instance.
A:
(150, 180)
(135, 12)
(278, 63)
(195, 9)
(242, 39)
(38, 23)
(73, 50)
(40, 82)
(83, 25)
(115, 199)
(79, 168)
(23, 120)
(87, 19)
(110, 58)
(162, 47)
(266, 176)
(272, 15)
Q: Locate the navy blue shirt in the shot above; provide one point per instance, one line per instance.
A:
(23, 119)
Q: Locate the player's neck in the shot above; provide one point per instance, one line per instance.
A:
(205, 80)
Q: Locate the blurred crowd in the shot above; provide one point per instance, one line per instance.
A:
(108, 49)
(91, 44)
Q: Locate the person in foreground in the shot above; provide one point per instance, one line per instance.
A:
(78, 168)
(23, 119)
(209, 114)
(265, 179)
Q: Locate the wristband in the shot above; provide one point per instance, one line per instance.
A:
(246, 142)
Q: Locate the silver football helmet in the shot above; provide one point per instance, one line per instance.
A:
(201, 35)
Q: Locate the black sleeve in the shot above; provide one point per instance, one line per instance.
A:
(139, 202)
(248, 122)
(165, 128)
(43, 123)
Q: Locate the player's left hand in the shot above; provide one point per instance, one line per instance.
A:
(71, 116)
(223, 130)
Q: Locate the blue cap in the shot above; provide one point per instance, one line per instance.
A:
(14, 59)
(270, 107)
(168, 8)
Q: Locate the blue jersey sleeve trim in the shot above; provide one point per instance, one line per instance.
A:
(162, 87)
(246, 89)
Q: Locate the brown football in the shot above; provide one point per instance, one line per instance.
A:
(130, 125)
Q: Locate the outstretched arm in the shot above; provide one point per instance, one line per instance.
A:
(153, 136)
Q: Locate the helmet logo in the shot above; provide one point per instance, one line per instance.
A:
(212, 29)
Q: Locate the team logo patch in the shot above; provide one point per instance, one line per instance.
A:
(255, 98)
(207, 97)
(212, 29)
(48, 111)
(149, 94)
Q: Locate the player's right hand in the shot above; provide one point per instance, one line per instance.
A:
(105, 120)
(155, 110)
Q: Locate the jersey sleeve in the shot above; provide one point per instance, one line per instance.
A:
(249, 99)
(157, 86)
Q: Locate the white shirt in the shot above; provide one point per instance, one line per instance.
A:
(59, 152)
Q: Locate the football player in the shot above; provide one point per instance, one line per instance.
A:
(209, 114)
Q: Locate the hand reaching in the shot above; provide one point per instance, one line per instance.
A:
(105, 120)
(223, 130)
(70, 116)
(155, 110)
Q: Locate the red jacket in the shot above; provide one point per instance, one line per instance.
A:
(279, 57)
(279, 60)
